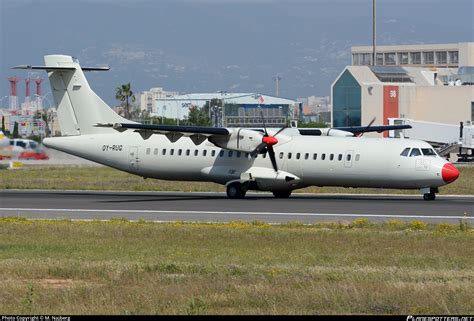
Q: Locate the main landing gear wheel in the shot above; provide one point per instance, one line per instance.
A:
(429, 196)
(282, 194)
(235, 190)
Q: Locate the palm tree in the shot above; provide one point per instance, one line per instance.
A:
(124, 93)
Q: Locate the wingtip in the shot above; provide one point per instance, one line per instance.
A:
(22, 67)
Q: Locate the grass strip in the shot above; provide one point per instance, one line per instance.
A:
(123, 267)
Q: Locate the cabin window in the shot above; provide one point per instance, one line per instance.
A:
(405, 152)
(213, 153)
(230, 153)
(204, 152)
(221, 153)
(323, 156)
(415, 152)
(172, 151)
(289, 155)
(357, 157)
(196, 152)
(348, 157)
(164, 151)
(331, 157)
(238, 154)
(315, 156)
(339, 158)
(281, 155)
(180, 152)
(148, 150)
(155, 151)
(428, 152)
(298, 155)
(306, 156)
(188, 152)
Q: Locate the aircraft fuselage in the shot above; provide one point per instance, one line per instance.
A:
(319, 161)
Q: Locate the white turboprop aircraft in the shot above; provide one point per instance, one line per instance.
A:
(239, 158)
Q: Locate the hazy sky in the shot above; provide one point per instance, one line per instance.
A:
(210, 45)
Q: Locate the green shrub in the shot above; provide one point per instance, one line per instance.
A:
(360, 223)
(418, 225)
(395, 225)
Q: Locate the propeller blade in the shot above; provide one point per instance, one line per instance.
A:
(280, 130)
(271, 153)
(368, 126)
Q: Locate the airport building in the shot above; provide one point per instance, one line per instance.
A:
(316, 109)
(231, 109)
(427, 55)
(437, 102)
(147, 98)
(443, 95)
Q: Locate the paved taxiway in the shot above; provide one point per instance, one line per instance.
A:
(215, 207)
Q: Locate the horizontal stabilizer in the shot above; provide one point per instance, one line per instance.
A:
(57, 68)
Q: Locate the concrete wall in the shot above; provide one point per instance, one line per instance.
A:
(466, 54)
(441, 104)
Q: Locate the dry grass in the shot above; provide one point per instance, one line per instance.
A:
(103, 178)
(121, 267)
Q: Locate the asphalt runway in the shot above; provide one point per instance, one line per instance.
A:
(215, 207)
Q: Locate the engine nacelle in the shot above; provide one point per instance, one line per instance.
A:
(335, 132)
(241, 140)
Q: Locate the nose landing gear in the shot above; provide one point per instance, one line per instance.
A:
(429, 194)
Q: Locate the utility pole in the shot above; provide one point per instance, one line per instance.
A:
(373, 33)
(277, 79)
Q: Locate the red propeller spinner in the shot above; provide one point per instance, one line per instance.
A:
(269, 140)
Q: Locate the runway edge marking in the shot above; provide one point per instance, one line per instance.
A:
(232, 213)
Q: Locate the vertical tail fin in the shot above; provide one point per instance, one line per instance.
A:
(79, 107)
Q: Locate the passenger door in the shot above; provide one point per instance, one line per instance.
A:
(133, 158)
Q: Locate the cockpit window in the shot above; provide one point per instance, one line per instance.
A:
(405, 152)
(415, 152)
(428, 152)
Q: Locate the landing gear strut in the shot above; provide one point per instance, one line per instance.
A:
(236, 190)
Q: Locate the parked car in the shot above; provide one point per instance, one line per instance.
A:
(22, 144)
(33, 154)
(27, 149)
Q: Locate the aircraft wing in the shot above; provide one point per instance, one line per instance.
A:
(367, 129)
(355, 130)
(197, 134)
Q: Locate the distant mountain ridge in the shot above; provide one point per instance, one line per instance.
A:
(202, 46)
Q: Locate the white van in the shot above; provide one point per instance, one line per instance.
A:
(20, 144)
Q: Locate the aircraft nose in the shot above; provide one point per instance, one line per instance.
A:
(449, 173)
